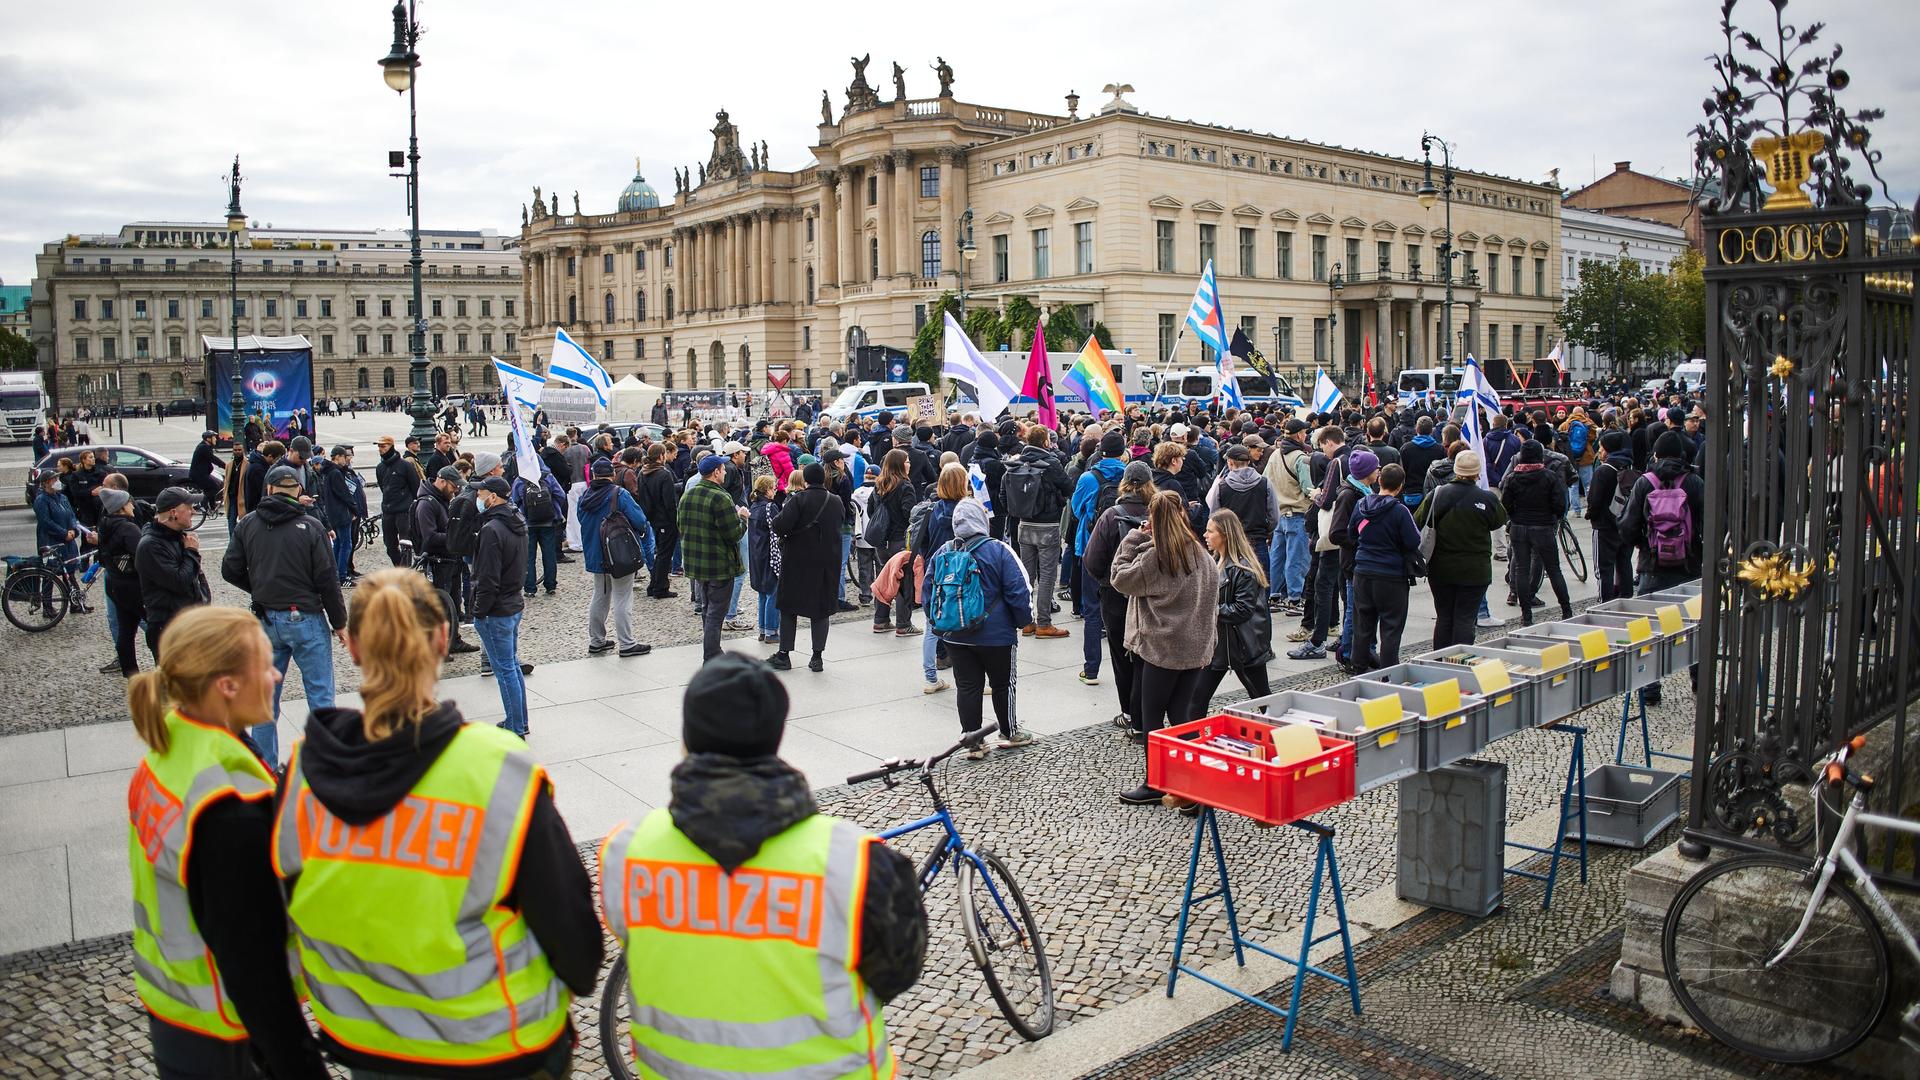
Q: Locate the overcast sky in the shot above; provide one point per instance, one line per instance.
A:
(117, 111)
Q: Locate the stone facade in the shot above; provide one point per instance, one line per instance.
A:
(133, 307)
(1114, 213)
(1636, 194)
(1591, 235)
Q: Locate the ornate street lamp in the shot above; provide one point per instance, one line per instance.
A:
(400, 70)
(1619, 301)
(236, 221)
(968, 253)
(1427, 194)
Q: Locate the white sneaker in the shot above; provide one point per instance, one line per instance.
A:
(935, 687)
(1489, 623)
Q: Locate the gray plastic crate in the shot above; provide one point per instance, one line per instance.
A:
(1623, 665)
(1510, 707)
(1450, 729)
(1383, 754)
(1680, 648)
(1557, 682)
(1453, 832)
(1627, 806)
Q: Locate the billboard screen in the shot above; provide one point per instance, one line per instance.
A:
(274, 381)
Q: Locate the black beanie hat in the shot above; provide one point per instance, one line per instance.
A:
(1112, 444)
(1532, 453)
(1613, 441)
(1670, 445)
(815, 474)
(734, 705)
(988, 440)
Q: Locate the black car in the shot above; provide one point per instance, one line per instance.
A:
(146, 472)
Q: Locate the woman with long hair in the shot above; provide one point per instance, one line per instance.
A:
(893, 497)
(809, 530)
(936, 530)
(1172, 588)
(1128, 513)
(1244, 625)
(209, 934)
(440, 907)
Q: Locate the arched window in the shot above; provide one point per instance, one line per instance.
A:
(669, 301)
(144, 386)
(693, 369)
(746, 365)
(386, 379)
(608, 305)
(463, 371)
(82, 386)
(809, 284)
(929, 254)
(361, 381)
(640, 305)
(326, 380)
(718, 367)
(573, 310)
(176, 384)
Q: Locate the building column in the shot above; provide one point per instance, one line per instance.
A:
(742, 241)
(703, 264)
(765, 223)
(1416, 332)
(883, 216)
(846, 269)
(828, 231)
(905, 191)
(1473, 332)
(953, 200)
(1384, 362)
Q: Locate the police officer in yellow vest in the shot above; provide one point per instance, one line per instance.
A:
(761, 936)
(440, 909)
(209, 933)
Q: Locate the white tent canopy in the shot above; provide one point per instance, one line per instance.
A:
(632, 400)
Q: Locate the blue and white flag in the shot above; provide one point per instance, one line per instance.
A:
(991, 386)
(1204, 315)
(1326, 396)
(521, 388)
(978, 478)
(1483, 391)
(1472, 428)
(576, 365)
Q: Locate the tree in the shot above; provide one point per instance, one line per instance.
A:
(1102, 335)
(1064, 332)
(16, 352)
(983, 325)
(1019, 320)
(923, 363)
(1687, 296)
(1619, 310)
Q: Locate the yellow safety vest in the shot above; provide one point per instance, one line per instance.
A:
(173, 970)
(749, 973)
(407, 950)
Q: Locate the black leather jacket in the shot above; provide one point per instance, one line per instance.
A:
(1245, 637)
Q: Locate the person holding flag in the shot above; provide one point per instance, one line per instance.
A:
(1209, 324)
(1091, 378)
(963, 363)
(576, 365)
(1038, 384)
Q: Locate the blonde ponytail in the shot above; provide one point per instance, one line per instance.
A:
(200, 645)
(392, 619)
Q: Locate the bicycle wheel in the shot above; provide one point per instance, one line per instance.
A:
(614, 998)
(35, 599)
(1730, 920)
(1005, 941)
(1570, 547)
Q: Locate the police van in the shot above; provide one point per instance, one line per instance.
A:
(1200, 386)
(866, 400)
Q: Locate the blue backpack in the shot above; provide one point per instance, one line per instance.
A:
(956, 589)
(1577, 437)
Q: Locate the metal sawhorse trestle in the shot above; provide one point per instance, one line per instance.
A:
(1325, 869)
(1633, 706)
(1573, 806)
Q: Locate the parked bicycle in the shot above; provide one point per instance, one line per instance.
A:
(367, 533)
(1778, 956)
(1570, 549)
(39, 591)
(1000, 929)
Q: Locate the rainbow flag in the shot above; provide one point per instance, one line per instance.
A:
(1091, 377)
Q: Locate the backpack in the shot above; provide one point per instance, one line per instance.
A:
(1107, 495)
(1577, 438)
(1025, 489)
(1623, 488)
(917, 521)
(620, 553)
(879, 521)
(536, 502)
(1669, 525)
(463, 523)
(956, 589)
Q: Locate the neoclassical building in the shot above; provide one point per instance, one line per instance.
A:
(1316, 247)
(128, 309)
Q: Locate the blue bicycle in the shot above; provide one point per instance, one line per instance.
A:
(1001, 931)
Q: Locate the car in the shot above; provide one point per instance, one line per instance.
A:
(146, 471)
(620, 430)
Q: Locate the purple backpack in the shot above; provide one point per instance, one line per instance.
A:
(1669, 525)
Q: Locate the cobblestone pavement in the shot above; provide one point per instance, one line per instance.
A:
(1050, 811)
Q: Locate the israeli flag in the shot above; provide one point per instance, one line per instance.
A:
(1326, 396)
(978, 478)
(522, 389)
(576, 365)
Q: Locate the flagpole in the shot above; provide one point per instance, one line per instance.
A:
(1167, 366)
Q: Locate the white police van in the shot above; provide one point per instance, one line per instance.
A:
(1427, 386)
(1199, 386)
(866, 400)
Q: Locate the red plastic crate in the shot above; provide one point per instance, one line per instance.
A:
(1179, 763)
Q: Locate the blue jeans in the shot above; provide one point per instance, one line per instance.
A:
(113, 617)
(1346, 622)
(769, 614)
(542, 541)
(733, 605)
(929, 649)
(343, 552)
(846, 552)
(1093, 626)
(1290, 553)
(500, 636)
(300, 636)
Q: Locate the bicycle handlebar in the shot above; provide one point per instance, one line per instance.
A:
(887, 768)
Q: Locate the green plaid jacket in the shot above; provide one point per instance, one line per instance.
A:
(710, 531)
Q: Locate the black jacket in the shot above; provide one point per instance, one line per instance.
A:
(398, 478)
(1103, 539)
(1534, 496)
(923, 466)
(499, 563)
(659, 499)
(200, 468)
(170, 577)
(119, 539)
(360, 782)
(430, 521)
(1055, 487)
(730, 806)
(280, 556)
(1245, 626)
(343, 496)
(1633, 524)
(253, 479)
(1606, 481)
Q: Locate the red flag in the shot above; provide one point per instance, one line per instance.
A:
(1366, 366)
(1039, 382)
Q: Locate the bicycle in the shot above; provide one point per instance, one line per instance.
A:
(999, 934)
(1759, 975)
(1570, 550)
(367, 533)
(39, 591)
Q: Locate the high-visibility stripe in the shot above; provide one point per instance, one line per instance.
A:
(334, 1000)
(286, 828)
(747, 1035)
(613, 886)
(507, 806)
(203, 998)
(483, 965)
(659, 1064)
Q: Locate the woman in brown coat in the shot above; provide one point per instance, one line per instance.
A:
(1173, 588)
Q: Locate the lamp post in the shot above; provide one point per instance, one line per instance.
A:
(400, 69)
(236, 221)
(967, 254)
(1427, 193)
(1333, 318)
(1619, 299)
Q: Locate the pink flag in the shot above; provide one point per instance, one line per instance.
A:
(1039, 382)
